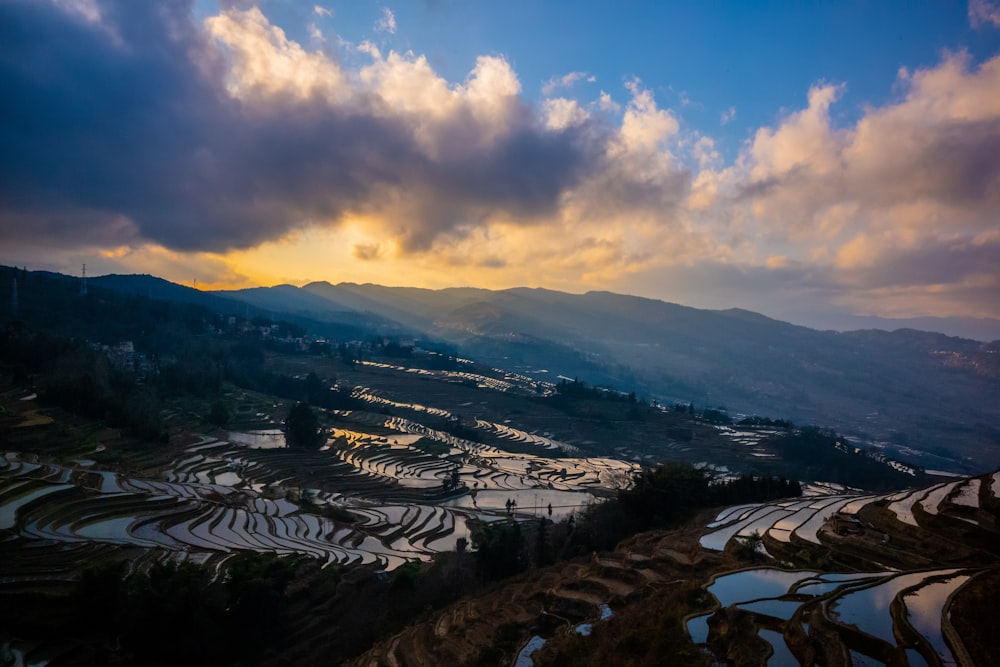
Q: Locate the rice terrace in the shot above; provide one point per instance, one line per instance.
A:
(442, 511)
(431, 333)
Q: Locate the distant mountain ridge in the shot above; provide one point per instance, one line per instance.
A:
(975, 328)
(908, 388)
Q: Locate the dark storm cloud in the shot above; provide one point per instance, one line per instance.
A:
(122, 131)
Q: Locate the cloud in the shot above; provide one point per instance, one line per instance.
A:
(983, 13)
(134, 130)
(387, 22)
(900, 201)
(224, 136)
(910, 165)
(566, 81)
(645, 126)
(86, 9)
(606, 103)
(727, 116)
(319, 10)
(368, 251)
(561, 113)
(264, 63)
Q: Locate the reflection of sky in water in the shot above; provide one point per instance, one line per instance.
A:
(915, 659)
(266, 439)
(936, 496)
(753, 584)
(778, 608)
(868, 609)
(731, 514)
(924, 608)
(969, 494)
(697, 627)
(228, 479)
(717, 540)
(828, 583)
(529, 501)
(585, 628)
(861, 660)
(8, 511)
(524, 657)
(850, 576)
(782, 656)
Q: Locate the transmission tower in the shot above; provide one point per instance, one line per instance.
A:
(83, 281)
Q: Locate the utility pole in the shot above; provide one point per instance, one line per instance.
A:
(13, 300)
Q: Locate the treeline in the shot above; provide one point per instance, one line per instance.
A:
(663, 497)
(756, 420)
(62, 344)
(821, 454)
(576, 389)
(172, 614)
(600, 405)
(670, 494)
(80, 379)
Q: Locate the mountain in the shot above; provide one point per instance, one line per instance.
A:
(976, 328)
(291, 303)
(290, 300)
(925, 395)
(158, 288)
(908, 388)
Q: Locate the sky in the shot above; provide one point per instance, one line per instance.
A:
(802, 160)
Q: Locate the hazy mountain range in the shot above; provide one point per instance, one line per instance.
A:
(918, 389)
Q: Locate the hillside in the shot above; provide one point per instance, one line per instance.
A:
(438, 510)
(925, 396)
(910, 389)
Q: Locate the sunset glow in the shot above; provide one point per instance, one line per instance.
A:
(854, 170)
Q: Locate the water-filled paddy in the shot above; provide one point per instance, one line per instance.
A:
(755, 584)
(782, 656)
(8, 511)
(924, 608)
(267, 439)
(586, 628)
(783, 609)
(717, 540)
(524, 655)
(697, 627)
(529, 501)
(968, 495)
(868, 609)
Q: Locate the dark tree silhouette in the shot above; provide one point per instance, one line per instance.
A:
(302, 429)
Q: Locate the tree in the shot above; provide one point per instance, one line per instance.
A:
(302, 429)
(751, 545)
(453, 480)
(219, 414)
(499, 549)
(317, 391)
(543, 550)
(665, 495)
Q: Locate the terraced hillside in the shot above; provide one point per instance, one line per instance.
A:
(391, 501)
(414, 458)
(900, 587)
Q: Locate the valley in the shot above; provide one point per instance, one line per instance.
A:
(440, 510)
